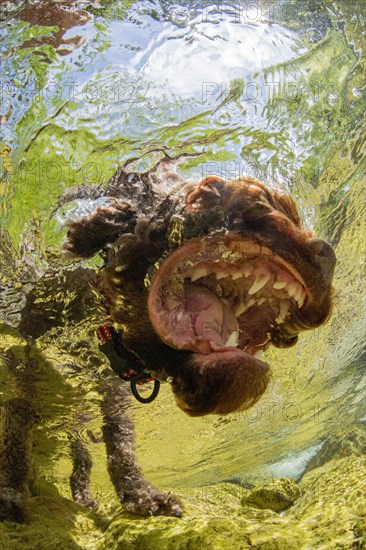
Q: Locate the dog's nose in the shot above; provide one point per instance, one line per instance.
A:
(325, 256)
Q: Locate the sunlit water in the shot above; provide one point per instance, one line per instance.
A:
(275, 91)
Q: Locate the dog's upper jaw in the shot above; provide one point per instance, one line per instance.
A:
(201, 285)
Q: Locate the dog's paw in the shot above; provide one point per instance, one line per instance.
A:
(149, 503)
(88, 234)
(81, 494)
(12, 505)
(87, 502)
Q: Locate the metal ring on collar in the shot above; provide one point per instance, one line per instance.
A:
(148, 399)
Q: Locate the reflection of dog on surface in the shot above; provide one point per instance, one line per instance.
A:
(201, 279)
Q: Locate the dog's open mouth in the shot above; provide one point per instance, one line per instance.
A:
(224, 295)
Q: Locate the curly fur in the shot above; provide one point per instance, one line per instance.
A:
(147, 218)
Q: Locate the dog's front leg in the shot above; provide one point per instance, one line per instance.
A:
(137, 494)
(80, 477)
(17, 420)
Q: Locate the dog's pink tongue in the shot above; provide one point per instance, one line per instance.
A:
(212, 320)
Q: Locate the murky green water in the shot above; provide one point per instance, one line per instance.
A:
(271, 89)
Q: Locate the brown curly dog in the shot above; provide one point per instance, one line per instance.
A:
(201, 278)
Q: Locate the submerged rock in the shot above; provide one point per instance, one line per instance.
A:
(277, 495)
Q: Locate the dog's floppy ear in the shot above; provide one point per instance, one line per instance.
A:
(208, 385)
(105, 224)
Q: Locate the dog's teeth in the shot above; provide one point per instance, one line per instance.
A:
(298, 293)
(180, 316)
(221, 274)
(198, 272)
(240, 308)
(284, 307)
(261, 301)
(279, 284)
(302, 298)
(291, 289)
(243, 272)
(219, 291)
(259, 283)
(232, 340)
(116, 280)
(119, 268)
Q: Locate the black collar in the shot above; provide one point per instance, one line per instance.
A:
(125, 363)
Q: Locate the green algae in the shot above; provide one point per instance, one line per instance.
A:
(54, 523)
(330, 514)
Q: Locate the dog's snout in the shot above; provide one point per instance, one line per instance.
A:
(325, 256)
